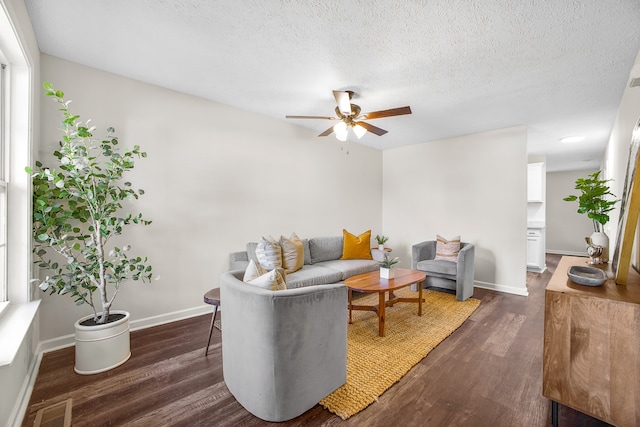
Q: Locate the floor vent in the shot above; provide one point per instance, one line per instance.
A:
(57, 415)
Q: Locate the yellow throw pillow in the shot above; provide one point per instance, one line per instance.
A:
(292, 253)
(356, 247)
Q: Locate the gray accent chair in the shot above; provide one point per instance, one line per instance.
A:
(282, 351)
(445, 274)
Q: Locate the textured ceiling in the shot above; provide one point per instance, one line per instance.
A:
(559, 66)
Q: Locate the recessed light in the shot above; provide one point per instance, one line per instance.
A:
(576, 138)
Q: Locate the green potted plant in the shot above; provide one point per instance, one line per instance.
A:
(381, 241)
(77, 210)
(596, 201)
(387, 266)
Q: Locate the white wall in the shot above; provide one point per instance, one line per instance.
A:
(617, 153)
(566, 229)
(215, 178)
(474, 186)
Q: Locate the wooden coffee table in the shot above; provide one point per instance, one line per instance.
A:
(372, 282)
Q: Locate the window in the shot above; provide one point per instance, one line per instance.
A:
(17, 105)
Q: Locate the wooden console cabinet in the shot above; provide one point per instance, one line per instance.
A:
(591, 357)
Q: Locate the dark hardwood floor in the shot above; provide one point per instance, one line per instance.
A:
(488, 373)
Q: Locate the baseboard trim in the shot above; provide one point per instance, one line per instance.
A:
(161, 319)
(501, 288)
(148, 322)
(570, 253)
(537, 269)
(22, 404)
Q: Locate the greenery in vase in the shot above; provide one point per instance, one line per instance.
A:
(381, 239)
(77, 209)
(595, 199)
(389, 262)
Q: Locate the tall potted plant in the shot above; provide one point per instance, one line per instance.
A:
(77, 210)
(596, 201)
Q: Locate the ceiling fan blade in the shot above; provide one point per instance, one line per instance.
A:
(311, 117)
(388, 113)
(327, 132)
(343, 99)
(371, 128)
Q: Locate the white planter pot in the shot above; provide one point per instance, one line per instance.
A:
(387, 273)
(599, 238)
(381, 247)
(102, 347)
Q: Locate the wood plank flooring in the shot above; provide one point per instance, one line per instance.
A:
(488, 373)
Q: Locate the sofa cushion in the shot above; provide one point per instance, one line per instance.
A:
(351, 267)
(269, 253)
(447, 250)
(325, 248)
(436, 266)
(310, 275)
(292, 253)
(356, 247)
(251, 251)
(271, 280)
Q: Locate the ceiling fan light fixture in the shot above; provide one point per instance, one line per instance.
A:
(342, 136)
(359, 131)
(341, 131)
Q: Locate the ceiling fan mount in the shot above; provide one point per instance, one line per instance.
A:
(355, 113)
(350, 115)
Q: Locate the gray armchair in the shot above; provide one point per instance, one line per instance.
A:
(446, 274)
(282, 351)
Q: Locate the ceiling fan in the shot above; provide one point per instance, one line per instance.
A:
(350, 116)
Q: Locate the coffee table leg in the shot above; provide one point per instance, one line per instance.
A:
(381, 306)
(419, 298)
(350, 305)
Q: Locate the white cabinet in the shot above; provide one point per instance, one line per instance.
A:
(535, 182)
(536, 250)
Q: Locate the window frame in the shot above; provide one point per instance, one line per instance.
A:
(4, 166)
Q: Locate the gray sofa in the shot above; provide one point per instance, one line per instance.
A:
(322, 263)
(446, 274)
(282, 351)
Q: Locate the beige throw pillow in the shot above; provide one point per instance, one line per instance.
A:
(269, 253)
(271, 280)
(292, 253)
(447, 250)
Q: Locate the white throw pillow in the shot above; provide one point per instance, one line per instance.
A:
(269, 253)
(253, 271)
(271, 280)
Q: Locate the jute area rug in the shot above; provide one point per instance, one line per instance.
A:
(375, 363)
